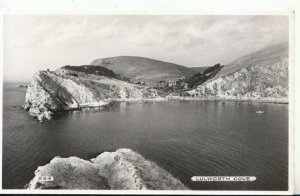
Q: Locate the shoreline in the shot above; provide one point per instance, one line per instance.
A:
(98, 106)
(161, 99)
(235, 100)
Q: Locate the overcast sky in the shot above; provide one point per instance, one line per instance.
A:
(33, 43)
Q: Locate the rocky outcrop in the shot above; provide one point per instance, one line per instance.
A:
(261, 76)
(52, 91)
(44, 96)
(119, 170)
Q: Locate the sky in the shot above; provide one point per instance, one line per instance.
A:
(40, 42)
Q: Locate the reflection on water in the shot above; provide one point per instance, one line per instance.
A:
(186, 138)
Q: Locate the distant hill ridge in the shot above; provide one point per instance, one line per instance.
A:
(141, 68)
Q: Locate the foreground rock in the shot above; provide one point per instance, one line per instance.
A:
(64, 89)
(122, 169)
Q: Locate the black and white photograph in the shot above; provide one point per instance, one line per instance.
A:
(146, 102)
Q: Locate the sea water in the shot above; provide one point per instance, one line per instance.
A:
(192, 138)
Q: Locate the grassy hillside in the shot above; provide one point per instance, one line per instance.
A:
(140, 68)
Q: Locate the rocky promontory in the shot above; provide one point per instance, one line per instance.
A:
(123, 169)
(65, 89)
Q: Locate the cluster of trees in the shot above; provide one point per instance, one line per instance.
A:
(200, 78)
(95, 69)
(91, 69)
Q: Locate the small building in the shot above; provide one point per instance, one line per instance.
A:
(172, 83)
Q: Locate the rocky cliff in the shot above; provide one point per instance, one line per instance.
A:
(119, 170)
(53, 91)
(262, 76)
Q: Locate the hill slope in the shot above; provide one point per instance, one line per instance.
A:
(262, 75)
(140, 68)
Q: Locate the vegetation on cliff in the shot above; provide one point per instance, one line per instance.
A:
(93, 69)
(199, 78)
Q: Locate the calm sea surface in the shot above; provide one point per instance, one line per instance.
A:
(203, 138)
